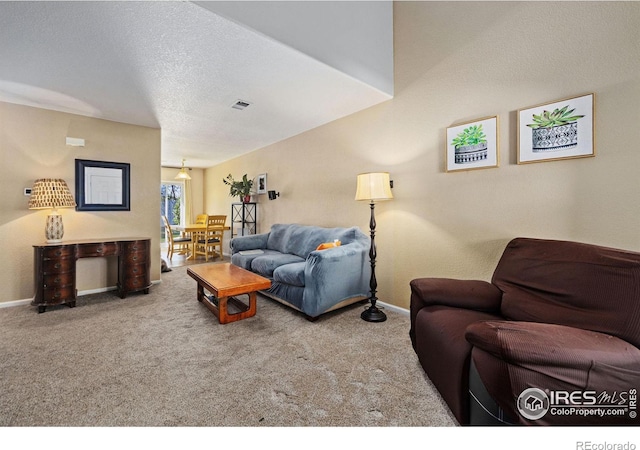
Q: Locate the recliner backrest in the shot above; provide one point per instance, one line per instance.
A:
(570, 283)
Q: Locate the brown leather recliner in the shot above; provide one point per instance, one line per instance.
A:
(554, 338)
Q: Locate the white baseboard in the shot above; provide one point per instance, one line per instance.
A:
(12, 303)
(394, 308)
(27, 301)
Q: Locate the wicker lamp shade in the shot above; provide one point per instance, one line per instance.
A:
(51, 193)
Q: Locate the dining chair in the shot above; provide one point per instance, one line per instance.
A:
(177, 245)
(201, 219)
(211, 238)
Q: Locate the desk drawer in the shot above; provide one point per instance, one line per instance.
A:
(61, 265)
(105, 249)
(136, 283)
(136, 270)
(58, 252)
(57, 295)
(136, 258)
(135, 247)
(57, 280)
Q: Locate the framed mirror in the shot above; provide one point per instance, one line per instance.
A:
(102, 186)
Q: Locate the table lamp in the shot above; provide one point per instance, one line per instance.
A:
(373, 187)
(51, 193)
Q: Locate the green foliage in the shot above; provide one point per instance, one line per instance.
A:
(472, 135)
(176, 212)
(238, 188)
(553, 119)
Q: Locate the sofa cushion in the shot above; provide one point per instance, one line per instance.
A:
(267, 263)
(245, 260)
(570, 283)
(301, 240)
(292, 274)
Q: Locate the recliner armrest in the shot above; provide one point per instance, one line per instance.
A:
(469, 294)
(551, 345)
(512, 356)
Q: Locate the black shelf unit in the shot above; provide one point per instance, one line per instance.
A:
(245, 214)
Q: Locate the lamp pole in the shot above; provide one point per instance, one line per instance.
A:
(372, 313)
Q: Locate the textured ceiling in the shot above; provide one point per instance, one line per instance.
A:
(180, 66)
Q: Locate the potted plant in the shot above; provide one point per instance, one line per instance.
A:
(557, 130)
(470, 145)
(240, 188)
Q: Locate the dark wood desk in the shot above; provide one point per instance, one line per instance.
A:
(55, 268)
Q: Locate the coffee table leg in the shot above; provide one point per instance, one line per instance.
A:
(223, 315)
(221, 309)
(200, 292)
(245, 310)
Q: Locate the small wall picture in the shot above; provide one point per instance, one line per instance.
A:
(558, 130)
(262, 184)
(473, 145)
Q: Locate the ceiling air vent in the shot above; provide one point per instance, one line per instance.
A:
(240, 104)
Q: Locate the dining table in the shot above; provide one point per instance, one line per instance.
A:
(192, 230)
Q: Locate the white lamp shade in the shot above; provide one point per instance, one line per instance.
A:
(375, 186)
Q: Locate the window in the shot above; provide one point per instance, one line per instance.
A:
(171, 204)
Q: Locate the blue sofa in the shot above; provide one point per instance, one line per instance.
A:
(309, 280)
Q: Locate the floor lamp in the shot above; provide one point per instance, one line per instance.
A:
(373, 187)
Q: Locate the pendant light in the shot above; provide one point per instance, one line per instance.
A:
(183, 175)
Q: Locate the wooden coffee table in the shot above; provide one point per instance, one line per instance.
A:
(225, 281)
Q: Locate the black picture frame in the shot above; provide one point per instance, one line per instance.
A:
(102, 186)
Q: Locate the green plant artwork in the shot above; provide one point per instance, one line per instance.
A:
(472, 135)
(559, 116)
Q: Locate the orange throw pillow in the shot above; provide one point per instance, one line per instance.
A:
(327, 245)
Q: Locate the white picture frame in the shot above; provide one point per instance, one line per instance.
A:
(261, 184)
(562, 129)
(473, 145)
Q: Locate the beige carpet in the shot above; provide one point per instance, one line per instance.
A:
(162, 359)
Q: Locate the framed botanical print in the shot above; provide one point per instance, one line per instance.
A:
(558, 130)
(473, 145)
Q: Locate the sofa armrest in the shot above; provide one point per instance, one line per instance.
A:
(334, 275)
(469, 294)
(250, 242)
